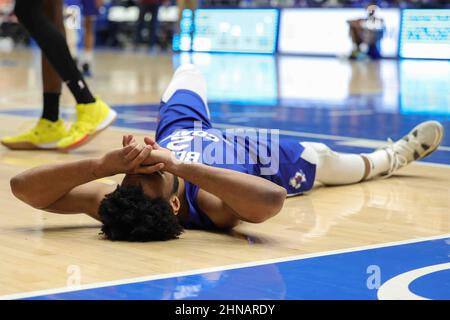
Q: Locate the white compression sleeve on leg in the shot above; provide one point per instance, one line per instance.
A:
(187, 77)
(336, 168)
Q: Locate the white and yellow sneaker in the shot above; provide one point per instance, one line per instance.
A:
(44, 135)
(417, 144)
(92, 118)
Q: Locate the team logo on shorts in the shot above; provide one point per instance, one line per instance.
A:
(297, 180)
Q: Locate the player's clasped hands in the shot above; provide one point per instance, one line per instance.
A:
(132, 158)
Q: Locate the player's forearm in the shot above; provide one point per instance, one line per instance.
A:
(43, 185)
(248, 195)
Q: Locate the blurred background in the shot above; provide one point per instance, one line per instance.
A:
(357, 58)
(317, 27)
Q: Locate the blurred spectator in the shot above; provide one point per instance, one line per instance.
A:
(327, 3)
(89, 10)
(152, 7)
(11, 32)
(366, 34)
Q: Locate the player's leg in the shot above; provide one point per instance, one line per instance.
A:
(90, 11)
(51, 91)
(339, 168)
(51, 80)
(53, 45)
(183, 102)
(187, 77)
(72, 17)
(154, 9)
(93, 115)
(355, 32)
(49, 129)
(140, 24)
(87, 57)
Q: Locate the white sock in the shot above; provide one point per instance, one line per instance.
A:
(187, 77)
(334, 168)
(379, 162)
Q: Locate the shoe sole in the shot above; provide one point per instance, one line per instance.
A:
(112, 116)
(30, 146)
(436, 143)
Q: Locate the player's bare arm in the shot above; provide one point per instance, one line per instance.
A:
(263, 198)
(71, 187)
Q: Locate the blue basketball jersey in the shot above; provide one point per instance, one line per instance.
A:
(185, 128)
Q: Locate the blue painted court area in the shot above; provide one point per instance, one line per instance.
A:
(360, 274)
(344, 127)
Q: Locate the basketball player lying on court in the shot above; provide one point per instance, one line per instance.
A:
(172, 183)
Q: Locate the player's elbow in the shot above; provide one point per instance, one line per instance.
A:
(16, 187)
(275, 201)
(20, 191)
(270, 206)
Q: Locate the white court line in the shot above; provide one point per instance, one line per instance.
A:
(215, 269)
(345, 140)
(142, 131)
(397, 288)
(350, 141)
(288, 132)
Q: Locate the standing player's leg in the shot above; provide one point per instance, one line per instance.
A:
(53, 45)
(355, 34)
(87, 56)
(140, 23)
(90, 11)
(335, 168)
(93, 115)
(49, 129)
(153, 37)
(51, 81)
(72, 17)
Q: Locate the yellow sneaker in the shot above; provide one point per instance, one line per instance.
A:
(44, 135)
(91, 119)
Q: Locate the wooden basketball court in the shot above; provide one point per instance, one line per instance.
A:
(39, 250)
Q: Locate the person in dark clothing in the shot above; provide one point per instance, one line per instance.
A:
(44, 21)
(148, 6)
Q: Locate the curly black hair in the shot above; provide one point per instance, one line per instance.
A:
(128, 214)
